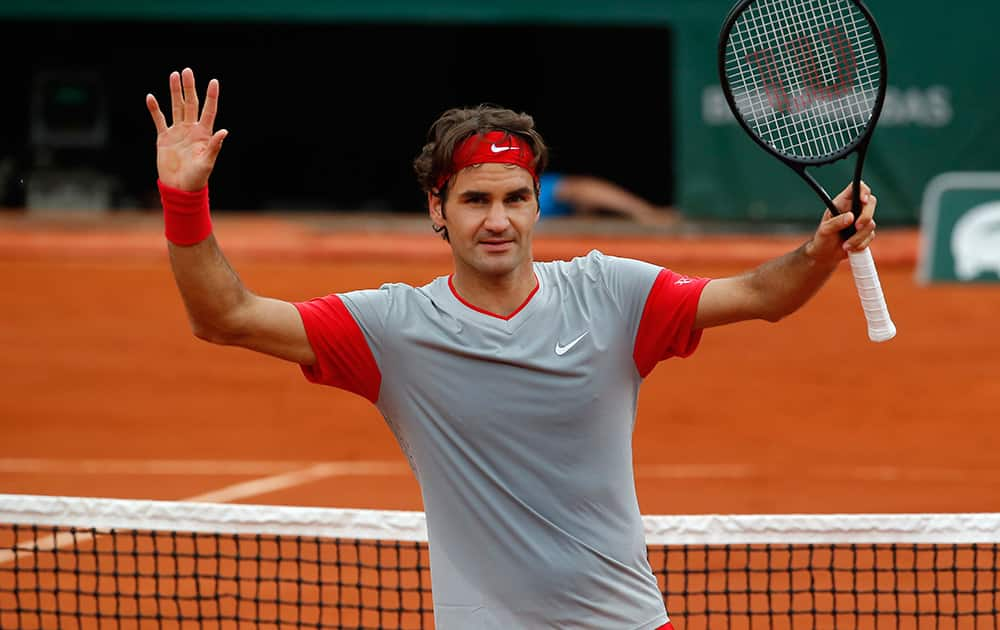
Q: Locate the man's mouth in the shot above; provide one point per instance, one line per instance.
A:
(496, 244)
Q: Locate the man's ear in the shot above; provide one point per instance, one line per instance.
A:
(435, 208)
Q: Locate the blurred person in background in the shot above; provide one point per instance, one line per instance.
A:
(511, 385)
(565, 195)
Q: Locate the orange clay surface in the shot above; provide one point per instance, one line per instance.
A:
(100, 373)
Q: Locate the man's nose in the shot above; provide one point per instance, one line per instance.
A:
(496, 218)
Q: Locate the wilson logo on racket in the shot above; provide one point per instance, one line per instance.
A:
(814, 86)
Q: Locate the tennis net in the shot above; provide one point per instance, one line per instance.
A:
(85, 563)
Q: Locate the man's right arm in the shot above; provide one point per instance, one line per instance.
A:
(220, 308)
(223, 311)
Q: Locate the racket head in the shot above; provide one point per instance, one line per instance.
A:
(806, 79)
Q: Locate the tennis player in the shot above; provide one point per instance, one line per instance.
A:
(511, 385)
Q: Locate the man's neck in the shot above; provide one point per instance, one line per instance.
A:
(500, 295)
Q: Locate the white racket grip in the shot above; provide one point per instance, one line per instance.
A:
(880, 326)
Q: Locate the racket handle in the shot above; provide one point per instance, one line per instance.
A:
(880, 326)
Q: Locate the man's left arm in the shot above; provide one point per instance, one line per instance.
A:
(780, 286)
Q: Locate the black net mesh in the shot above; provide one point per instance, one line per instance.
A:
(58, 577)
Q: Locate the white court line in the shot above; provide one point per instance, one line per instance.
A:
(227, 494)
(907, 474)
(888, 474)
(315, 472)
(196, 467)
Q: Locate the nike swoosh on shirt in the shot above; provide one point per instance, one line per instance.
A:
(561, 350)
(494, 148)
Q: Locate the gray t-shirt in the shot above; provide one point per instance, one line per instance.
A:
(519, 431)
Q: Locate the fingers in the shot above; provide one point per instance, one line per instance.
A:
(154, 111)
(176, 99)
(865, 226)
(834, 223)
(215, 144)
(845, 200)
(211, 105)
(827, 243)
(847, 189)
(184, 102)
(190, 96)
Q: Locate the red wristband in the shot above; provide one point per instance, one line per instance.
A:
(186, 220)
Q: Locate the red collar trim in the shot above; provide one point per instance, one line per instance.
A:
(458, 297)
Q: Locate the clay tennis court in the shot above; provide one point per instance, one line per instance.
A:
(106, 393)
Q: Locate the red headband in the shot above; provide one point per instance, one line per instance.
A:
(492, 146)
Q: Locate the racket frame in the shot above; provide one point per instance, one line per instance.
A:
(880, 326)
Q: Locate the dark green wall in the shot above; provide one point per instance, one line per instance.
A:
(943, 111)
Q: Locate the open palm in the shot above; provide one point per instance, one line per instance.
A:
(186, 150)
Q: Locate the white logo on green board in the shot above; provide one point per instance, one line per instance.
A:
(960, 228)
(975, 241)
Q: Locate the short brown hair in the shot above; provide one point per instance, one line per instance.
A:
(457, 124)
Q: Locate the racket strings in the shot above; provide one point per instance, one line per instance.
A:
(804, 74)
(799, 55)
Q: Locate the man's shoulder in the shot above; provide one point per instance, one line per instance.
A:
(593, 259)
(605, 271)
(593, 266)
(572, 274)
(395, 293)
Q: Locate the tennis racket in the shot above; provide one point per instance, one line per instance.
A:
(806, 79)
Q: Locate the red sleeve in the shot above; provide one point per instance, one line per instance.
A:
(666, 328)
(343, 358)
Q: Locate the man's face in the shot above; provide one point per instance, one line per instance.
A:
(490, 213)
